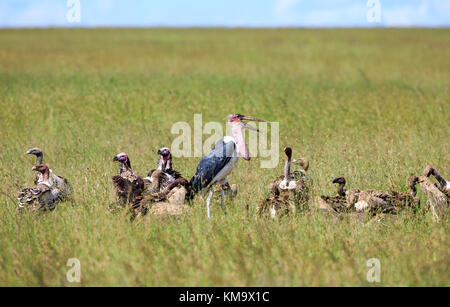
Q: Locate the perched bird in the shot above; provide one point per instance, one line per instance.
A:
(444, 185)
(43, 196)
(215, 167)
(287, 192)
(166, 174)
(55, 181)
(127, 185)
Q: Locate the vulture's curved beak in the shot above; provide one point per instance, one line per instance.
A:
(115, 159)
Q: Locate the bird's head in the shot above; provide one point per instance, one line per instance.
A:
(164, 153)
(237, 118)
(41, 168)
(429, 170)
(288, 152)
(34, 151)
(165, 159)
(121, 157)
(339, 180)
(303, 162)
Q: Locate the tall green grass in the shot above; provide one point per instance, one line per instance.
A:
(371, 105)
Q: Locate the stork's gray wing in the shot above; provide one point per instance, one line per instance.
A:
(211, 164)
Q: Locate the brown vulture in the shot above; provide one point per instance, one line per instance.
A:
(127, 185)
(43, 196)
(59, 182)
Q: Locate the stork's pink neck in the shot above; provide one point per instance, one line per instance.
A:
(238, 135)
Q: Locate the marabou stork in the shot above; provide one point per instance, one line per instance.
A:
(215, 167)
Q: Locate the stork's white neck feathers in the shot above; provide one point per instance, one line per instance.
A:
(228, 139)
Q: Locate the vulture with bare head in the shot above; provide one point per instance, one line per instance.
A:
(43, 196)
(164, 178)
(59, 182)
(127, 185)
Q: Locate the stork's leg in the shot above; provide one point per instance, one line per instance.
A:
(208, 201)
(221, 203)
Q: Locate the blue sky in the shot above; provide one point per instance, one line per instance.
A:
(229, 13)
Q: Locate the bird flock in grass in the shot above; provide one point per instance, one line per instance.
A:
(165, 192)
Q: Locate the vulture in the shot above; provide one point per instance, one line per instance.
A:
(298, 181)
(368, 200)
(165, 174)
(287, 192)
(44, 196)
(444, 185)
(438, 201)
(342, 202)
(391, 203)
(127, 185)
(59, 182)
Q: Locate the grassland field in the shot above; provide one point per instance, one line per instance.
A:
(369, 104)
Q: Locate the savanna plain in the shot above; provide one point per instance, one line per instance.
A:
(368, 104)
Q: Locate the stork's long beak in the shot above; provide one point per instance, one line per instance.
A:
(250, 127)
(254, 119)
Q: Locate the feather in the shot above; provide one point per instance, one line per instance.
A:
(212, 164)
